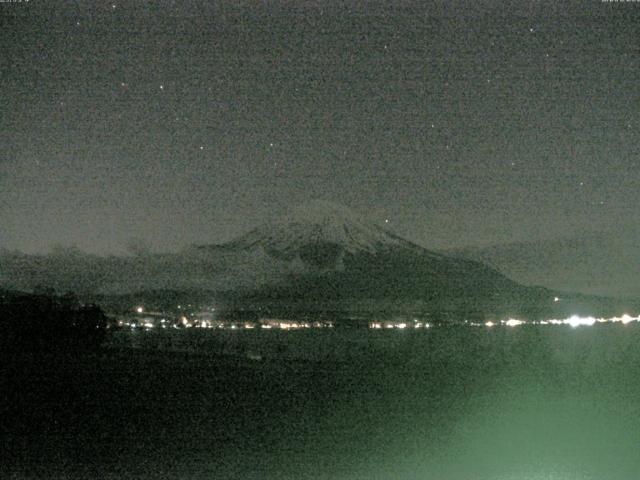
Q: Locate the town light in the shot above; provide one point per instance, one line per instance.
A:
(512, 322)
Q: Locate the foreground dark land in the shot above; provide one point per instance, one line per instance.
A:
(451, 403)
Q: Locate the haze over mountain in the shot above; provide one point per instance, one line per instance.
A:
(599, 263)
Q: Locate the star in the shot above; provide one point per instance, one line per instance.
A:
(201, 147)
(161, 87)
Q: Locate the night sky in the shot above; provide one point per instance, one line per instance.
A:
(184, 122)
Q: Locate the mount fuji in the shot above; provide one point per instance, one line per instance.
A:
(318, 235)
(318, 222)
(321, 255)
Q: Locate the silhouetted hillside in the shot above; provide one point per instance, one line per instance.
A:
(48, 323)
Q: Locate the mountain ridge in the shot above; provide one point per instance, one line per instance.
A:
(313, 256)
(595, 263)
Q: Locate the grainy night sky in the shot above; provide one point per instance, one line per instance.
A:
(181, 122)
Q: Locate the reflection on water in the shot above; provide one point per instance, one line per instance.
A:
(532, 402)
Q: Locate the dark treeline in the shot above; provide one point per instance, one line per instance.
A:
(43, 322)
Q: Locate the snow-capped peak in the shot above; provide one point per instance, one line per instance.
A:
(320, 221)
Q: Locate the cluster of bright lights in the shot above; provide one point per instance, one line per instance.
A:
(185, 322)
(576, 321)
(573, 321)
(292, 325)
(512, 322)
(389, 325)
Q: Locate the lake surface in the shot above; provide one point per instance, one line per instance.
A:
(529, 402)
